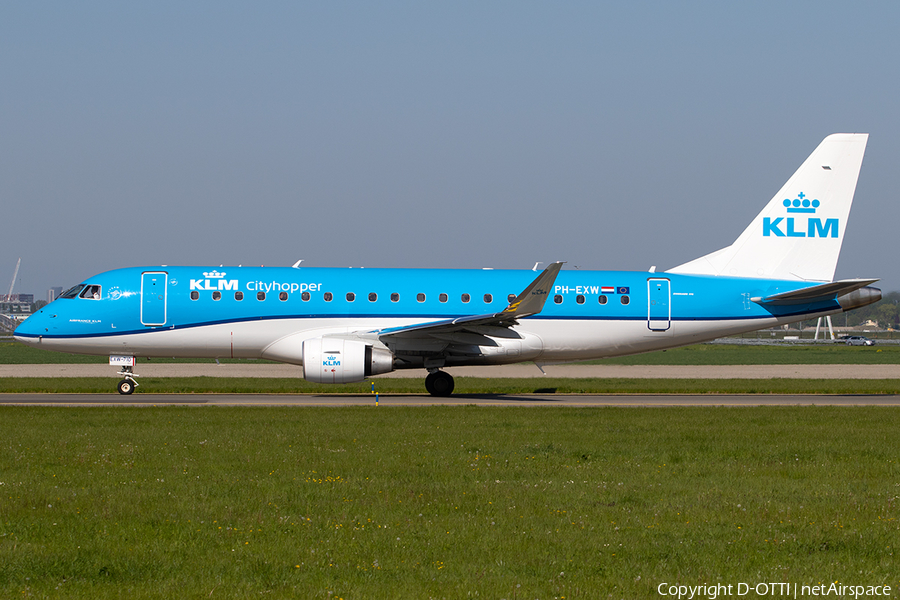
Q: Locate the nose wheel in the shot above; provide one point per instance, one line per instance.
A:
(439, 384)
(127, 385)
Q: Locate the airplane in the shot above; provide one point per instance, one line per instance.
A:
(344, 325)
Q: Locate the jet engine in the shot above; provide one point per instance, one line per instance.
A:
(337, 360)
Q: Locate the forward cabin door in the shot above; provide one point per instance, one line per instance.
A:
(153, 297)
(659, 306)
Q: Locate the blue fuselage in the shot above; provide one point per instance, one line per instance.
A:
(243, 311)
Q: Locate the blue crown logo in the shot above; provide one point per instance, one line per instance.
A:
(801, 204)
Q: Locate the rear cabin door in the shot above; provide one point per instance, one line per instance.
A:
(659, 311)
(153, 297)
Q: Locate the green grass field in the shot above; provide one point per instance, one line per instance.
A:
(442, 502)
(698, 354)
(464, 385)
(782, 354)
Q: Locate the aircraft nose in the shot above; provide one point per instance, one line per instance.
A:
(31, 329)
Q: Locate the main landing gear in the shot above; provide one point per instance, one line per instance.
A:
(439, 383)
(127, 385)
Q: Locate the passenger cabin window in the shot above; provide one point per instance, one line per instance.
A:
(443, 297)
(465, 298)
(351, 296)
(283, 296)
(373, 296)
(557, 298)
(239, 296)
(420, 297)
(395, 297)
(488, 298)
(602, 299)
(91, 292)
(305, 296)
(195, 295)
(217, 295)
(328, 296)
(579, 299)
(72, 292)
(624, 299)
(260, 296)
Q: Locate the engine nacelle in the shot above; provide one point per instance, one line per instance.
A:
(337, 360)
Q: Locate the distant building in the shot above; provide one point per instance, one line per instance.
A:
(53, 293)
(15, 309)
(26, 298)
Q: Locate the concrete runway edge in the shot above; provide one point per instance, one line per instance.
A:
(529, 371)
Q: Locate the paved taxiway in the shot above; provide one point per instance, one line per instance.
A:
(301, 400)
(528, 371)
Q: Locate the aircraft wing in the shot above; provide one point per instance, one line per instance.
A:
(817, 293)
(529, 302)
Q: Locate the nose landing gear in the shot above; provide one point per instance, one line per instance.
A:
(439, 383)
(127, 385)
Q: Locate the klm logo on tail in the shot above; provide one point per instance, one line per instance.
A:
(794, 227)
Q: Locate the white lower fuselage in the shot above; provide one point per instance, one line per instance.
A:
(540, 340)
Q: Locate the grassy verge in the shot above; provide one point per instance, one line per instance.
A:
(442, 502)
(464, 385)
(12, 353)
(721, 354)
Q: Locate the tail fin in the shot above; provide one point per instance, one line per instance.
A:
(798, 234)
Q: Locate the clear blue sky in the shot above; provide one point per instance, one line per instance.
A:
(609, 135)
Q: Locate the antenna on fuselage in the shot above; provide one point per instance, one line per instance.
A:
(296, 265)
(534, 268)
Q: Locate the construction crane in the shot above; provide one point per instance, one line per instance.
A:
(12, 284)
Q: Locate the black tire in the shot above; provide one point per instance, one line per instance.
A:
(442, 385)
(429, 383)
(126, 387)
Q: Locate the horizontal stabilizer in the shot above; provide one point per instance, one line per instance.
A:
(817, 293)
(529, 302)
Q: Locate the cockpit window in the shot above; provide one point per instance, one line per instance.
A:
(72, 292)
(91, 292)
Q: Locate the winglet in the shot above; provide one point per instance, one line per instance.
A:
(531, 301)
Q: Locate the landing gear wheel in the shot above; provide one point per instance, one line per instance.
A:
(439, 384)
(127, 385)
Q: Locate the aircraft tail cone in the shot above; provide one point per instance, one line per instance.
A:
(861, 297)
